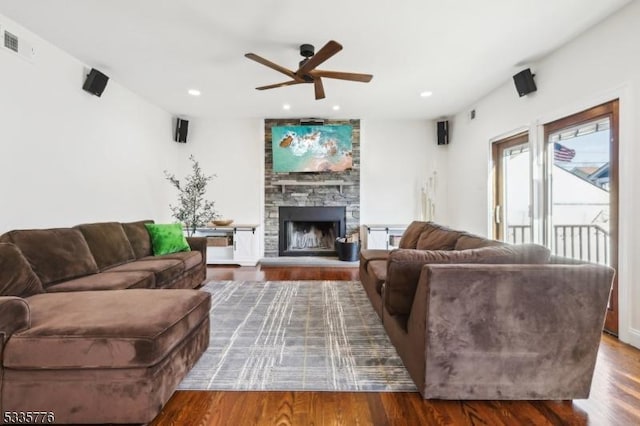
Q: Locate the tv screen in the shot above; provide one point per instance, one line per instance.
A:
(325, 148)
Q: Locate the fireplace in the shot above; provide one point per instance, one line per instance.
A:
(310, 231)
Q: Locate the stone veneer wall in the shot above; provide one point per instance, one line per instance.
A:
(308, 195)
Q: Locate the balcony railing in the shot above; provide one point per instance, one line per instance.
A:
(584, 242)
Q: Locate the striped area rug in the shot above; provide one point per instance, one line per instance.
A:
(293, 336)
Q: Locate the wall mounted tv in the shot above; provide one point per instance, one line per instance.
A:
(325, 148)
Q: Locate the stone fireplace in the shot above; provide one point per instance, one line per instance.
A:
(309, 191)
(310, 231)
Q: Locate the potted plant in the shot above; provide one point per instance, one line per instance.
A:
(193, 209)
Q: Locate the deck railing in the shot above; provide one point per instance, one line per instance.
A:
(584, 242)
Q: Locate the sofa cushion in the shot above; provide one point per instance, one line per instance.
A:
(105, 329)
(107, 281)
(139, 238)
(167, 238)
(55, 254)
(377, 269)
(190, 259)
(165, 270)
(108, 243)
(470, 241)
(411, 235)
(404, 267)
(437, 237)
(16, 276)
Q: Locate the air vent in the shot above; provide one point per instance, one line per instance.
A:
(10, 41)
(18, 44)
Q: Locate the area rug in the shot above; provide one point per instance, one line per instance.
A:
(295, 336)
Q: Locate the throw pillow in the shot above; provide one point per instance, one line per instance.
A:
(167, 238)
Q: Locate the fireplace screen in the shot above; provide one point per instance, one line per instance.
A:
(310, 231)
(311, 236)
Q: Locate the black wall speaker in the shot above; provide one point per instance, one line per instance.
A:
(182, 126)
(524, 82)
(95, 82)
(443, 132)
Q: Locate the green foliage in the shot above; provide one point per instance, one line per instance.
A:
(193, 209)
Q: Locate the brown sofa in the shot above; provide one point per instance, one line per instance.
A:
(473, 318)
(93, 328)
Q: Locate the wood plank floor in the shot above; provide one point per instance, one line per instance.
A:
(614, 400)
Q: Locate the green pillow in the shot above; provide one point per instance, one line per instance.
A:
(167, 238)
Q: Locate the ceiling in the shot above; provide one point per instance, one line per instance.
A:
(458, 49)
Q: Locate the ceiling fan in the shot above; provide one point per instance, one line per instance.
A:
(307, 72)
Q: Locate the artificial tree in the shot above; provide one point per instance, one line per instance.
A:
(193, 209)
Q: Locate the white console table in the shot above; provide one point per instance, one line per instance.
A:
(382, 236)
(235, 244)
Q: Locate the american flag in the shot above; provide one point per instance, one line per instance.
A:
(562, 153)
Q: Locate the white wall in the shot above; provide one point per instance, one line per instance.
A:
(68, 157)
(600, 65)
(233, 150)
(397, 157)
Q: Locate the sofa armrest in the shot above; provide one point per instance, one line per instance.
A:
(199, 244)
(490, 328)
(14, 316)
(368, 255)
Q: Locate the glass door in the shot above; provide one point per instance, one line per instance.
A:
(512, 190)
(581, 200)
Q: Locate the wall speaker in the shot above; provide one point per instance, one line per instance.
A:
(95, 82)
(524, 82)
(443, 132)
(182, 126)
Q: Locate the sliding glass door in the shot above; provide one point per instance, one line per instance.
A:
(576, 207)
(512, 190)
(581, 214)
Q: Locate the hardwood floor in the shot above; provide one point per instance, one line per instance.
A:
(614, 400)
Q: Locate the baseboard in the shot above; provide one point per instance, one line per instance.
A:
(633, 338)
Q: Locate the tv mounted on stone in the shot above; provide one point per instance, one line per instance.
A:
(310, 148)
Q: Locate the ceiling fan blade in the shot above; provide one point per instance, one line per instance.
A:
(265, 62)
(327, 51)
(351, 76)
(319, 88)
(286, 83)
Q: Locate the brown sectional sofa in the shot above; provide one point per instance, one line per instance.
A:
(474, 318)
(93, 327)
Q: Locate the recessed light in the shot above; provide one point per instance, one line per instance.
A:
(194, 92)
(426, 94)
(286, 106)
(336, 107)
